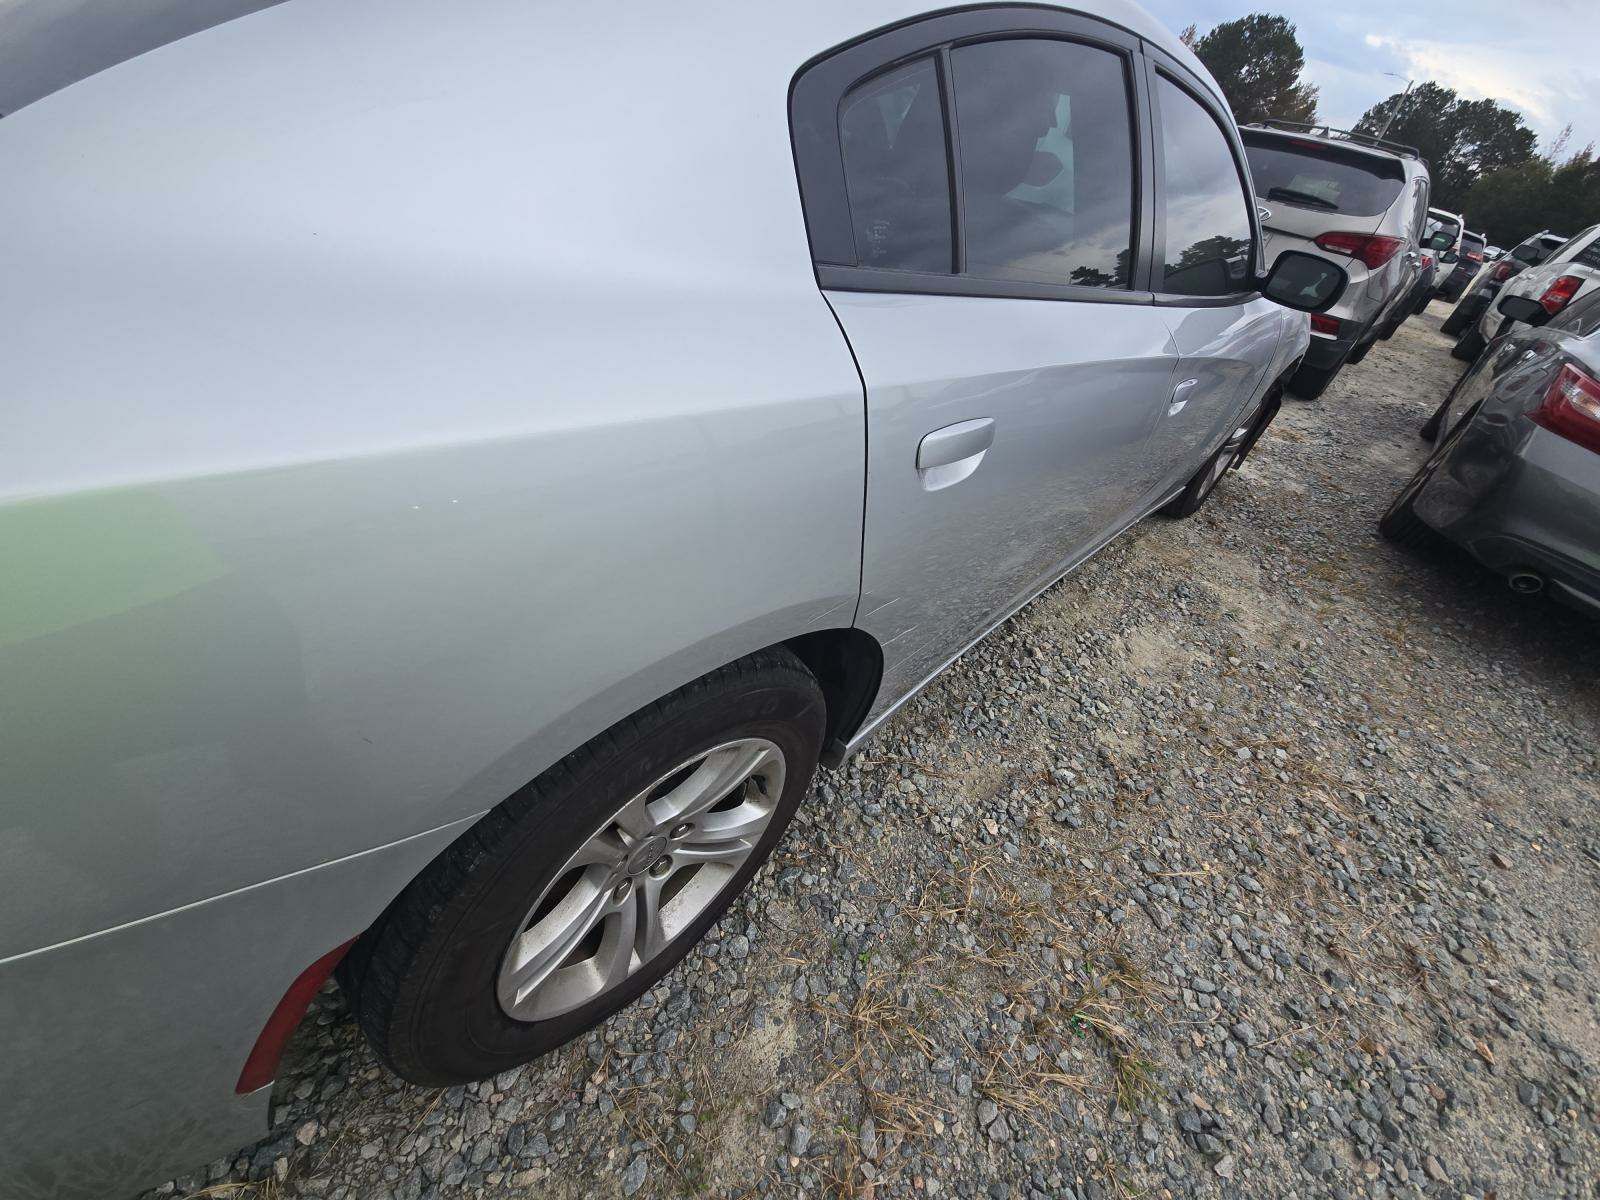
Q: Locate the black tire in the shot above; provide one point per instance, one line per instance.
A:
(1468, 346)
(423, 979)
(1310, 382)
(1229, 455)
(1400, 524)
(1361, 351)
(1462, 315)
(1430, 428)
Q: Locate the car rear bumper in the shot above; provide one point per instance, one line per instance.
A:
(121, 1052)
(1522, 500)
(1325, 352)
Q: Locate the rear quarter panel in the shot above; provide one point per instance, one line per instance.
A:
(370, 443)
(369, 448)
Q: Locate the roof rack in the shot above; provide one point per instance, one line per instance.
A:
(1338, 135)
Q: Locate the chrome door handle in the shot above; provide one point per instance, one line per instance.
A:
(1181, 395)
(949, 455)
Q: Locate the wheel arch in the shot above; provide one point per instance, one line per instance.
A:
(848, 663)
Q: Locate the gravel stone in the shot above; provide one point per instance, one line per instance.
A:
(1258, 858)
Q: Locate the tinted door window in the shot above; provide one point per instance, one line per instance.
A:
(1046, 149)
(1208, 242)
(1589, 256)
(1310, 175)
(891, 131)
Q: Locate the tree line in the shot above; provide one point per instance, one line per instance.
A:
(1484, 160)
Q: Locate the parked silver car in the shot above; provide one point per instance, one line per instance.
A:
(1492, 275)
(1352, 198)
(1514, 476)
(453, 497)
(1571, 270)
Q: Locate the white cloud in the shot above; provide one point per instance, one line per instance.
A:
(1516, 79)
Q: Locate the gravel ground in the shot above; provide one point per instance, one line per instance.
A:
(1257, 858)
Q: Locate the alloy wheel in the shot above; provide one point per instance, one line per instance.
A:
(641, 879)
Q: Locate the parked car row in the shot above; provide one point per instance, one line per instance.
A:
(1571, 270)
(1479, 292)
(476, 513)
(1361, 202)
(1464, 264)
(1513, 476)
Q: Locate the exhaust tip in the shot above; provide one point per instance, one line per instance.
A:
(1525, 583)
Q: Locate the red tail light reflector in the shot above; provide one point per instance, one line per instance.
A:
(1323, 323)
(1372, 249)
(1503, 272)
(1560, 293)
(1571, 408)
(262, 1066)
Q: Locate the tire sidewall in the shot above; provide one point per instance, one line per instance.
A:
(447, 1025)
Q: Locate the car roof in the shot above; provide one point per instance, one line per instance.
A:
(1325, 136)
(46, 46)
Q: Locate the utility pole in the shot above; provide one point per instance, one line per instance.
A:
(1398, 108)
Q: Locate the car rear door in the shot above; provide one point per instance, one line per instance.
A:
(1224, 330)
(971, 185)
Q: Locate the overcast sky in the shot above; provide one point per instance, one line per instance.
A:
(1537, 56)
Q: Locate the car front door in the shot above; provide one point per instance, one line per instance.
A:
(978, 223)
(1224, 331)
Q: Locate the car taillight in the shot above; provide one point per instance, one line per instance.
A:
(1560, 293)
(1323, 323)
(1427, 261)
(1372, 249)
(1474, 257)
(1503, 272)
(1571, 408)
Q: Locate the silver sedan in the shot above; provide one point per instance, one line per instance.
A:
(464, 470)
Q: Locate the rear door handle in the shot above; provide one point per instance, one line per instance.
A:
(1181, 396)
(949, 455)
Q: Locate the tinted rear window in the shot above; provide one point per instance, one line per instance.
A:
(1534, 253)
(1323, 178)
(1471, 244)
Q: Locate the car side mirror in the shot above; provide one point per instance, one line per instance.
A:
(1521, 308)
(1305, 282)
(1440, 241)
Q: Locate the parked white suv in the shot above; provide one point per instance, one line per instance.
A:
(1359, 201)
(1573, 270)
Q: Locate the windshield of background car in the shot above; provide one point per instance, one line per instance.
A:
(1325, 178)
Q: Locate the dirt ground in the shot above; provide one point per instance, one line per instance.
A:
(1257, 858)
